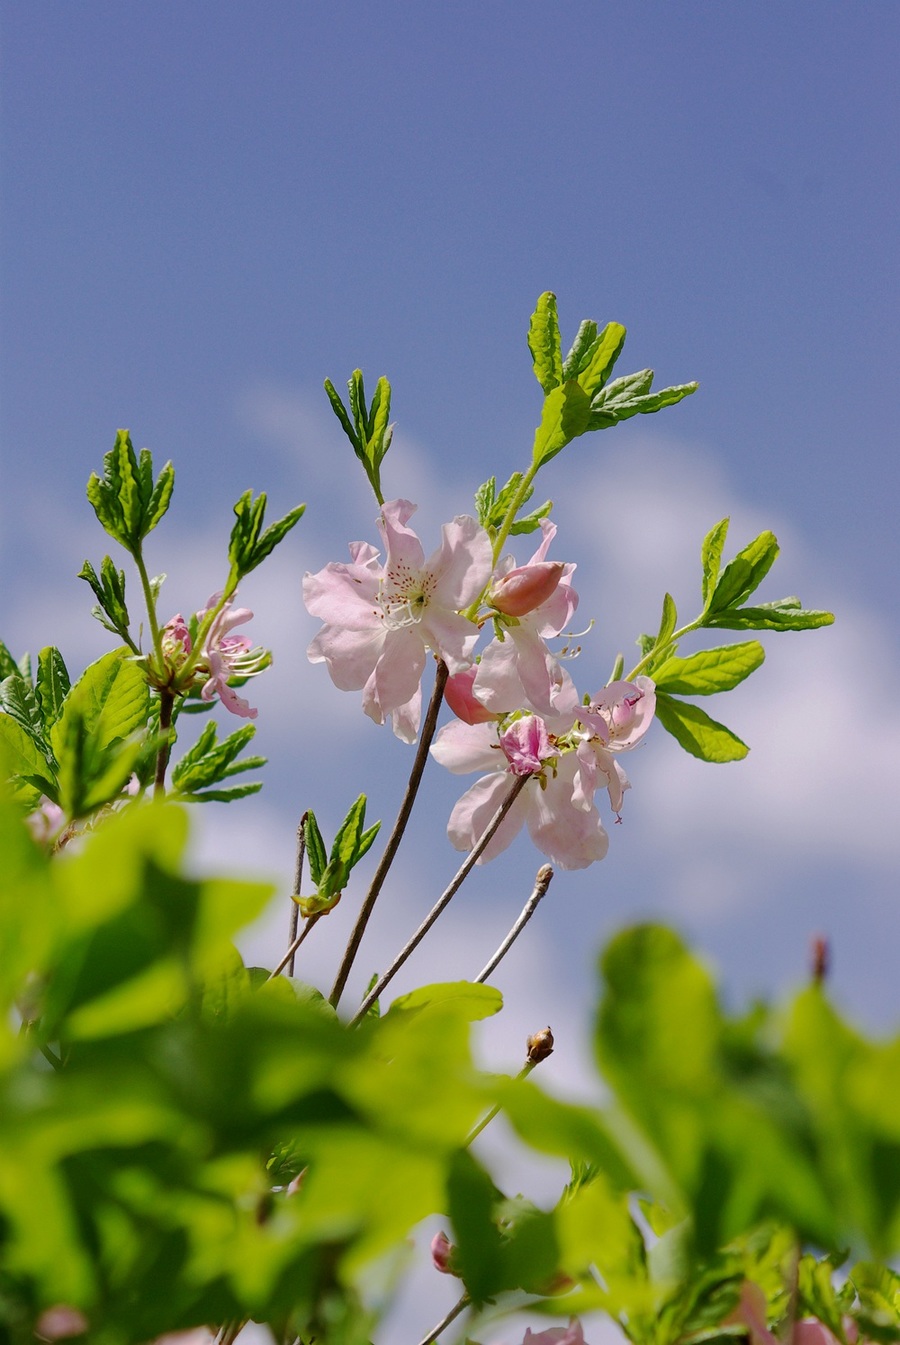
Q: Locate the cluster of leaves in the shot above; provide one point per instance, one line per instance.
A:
(578, 395)
(331, 873)
(184, 1139)
(724, 595)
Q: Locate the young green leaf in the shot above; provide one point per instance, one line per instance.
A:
(544, 343)
(566, 414)
(315, 848)
(23, 765)
(126, 501)
(52, 686)
(598, 360)
(19, 701)
(111, 699)
(580, 351)
(696, 732)
(209, 762)
(710, 670)
(109, 590)
(368, 430)
(8, 665)
(744, 574)
(711, 558)
(484, 501)
(248, 545)
(784, 614)
(667, 623)
(609, 412)
(531, 522)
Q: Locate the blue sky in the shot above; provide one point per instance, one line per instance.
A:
(208, 208)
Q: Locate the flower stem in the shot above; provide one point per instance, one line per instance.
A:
(445, 1321)
(495, 1110)
(390, 850)
(150, 605)
(541, 883)
(444, 899)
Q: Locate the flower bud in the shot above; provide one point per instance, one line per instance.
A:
(527, 587)
(539, 1046)
(442, 1250)
(463, 702)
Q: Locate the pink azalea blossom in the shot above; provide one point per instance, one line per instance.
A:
(46, 820)
(519, 669)
(557, 1335)
(225, 655)
(381, 619)
(616, 719)
(570, 834)
(526, 745)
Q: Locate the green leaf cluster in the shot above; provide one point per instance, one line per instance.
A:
(724, 594)
(126, 499)
(367, 427)
(578, 395)
(109, 589)
(77, 745)
(493, 506)
(331, 873)
(249, 545)
(210, 762)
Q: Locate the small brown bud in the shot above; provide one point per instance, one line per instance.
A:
(539, 1046)
(821, 958)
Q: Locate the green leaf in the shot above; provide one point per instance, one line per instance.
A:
(315, 848)
(566, 414)
(784, 614)
(696, 732)
(24, 765)
(544, 343)
(8, 665)
(597, 361)
(667, 623)
(476, 1001)
(710, 670)
(368, 430)
(580, 351)
(53, 685)
(531, 522)
(711, 558)
(208, 762)
(744, 573)
(484, 501)
(18, 699)
(125, 500)
(111, 697)
(471, 1198)
(609, 412)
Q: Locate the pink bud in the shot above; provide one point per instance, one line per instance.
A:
(464, 704)
(526, 745)
(528, 587)
(442, 1252)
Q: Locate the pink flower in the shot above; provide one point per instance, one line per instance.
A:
(518, 668)
(527, 587)
(617, 718)
(176, 641)
(45, 821)
(224, 656)
(568, 832)
(380, 620)
(557, 1335)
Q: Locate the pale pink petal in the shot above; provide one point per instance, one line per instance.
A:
(526, 745)
(396, 675)
(461, 748)
(462, 564)
(572, 838)
(497, 682)
(405, 719)
(452, 637)
(344, 595)
(557, 1335)
(403, 550)
(351, 655)
(472, 815)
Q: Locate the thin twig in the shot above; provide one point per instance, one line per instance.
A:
(289, 955)
(445, 1321)
(444, 899)
(486, 1120)
(295, 909)
(541, 883)
(390, 850)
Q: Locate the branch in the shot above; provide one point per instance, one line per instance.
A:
(446, 896)
(541, 883)
(390, 850)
